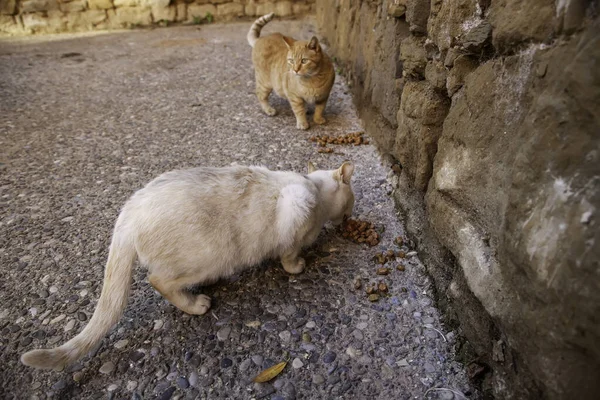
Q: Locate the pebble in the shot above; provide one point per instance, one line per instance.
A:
(33, 311)
(402, 363)
(172, 375)
(244, 365)
(112, 388)
(81, 316)
(121, 344)
(136, 356)
(193, 379)
(77, 376)
(58, 319)
(429, 367)
(223, 333)
(183, 383)
(70, 325)
(36, 385)
(204, 370)
(362, 325)
(428, 320)
(158, 324)
(352, 352)
(26, 341)
(285, 336)
(60, 385)
(329, 357)
(53, 289)
(107, 368)
(257, 360)
(44, 293)
(318, 379)
(311, 324)
(167, 394)
(226, 363)
(297, 363)
(358, 335)
(131, 385)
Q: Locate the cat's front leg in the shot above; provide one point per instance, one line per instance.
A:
(299, 110)
(292, 264)
(319, 108)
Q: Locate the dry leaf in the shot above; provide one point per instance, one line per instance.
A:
(270, 373)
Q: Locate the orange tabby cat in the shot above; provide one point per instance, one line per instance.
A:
(297, 70)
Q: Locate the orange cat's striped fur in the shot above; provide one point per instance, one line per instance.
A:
(297, 70)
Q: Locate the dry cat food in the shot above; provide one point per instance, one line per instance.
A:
(360, 232)
(355, 138)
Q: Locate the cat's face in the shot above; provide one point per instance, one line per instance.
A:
(336, 191)
(303, 57)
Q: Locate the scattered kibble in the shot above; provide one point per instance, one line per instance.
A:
(360, 232)
(373, 297)
(399, 241)
(357, 284)
(382, 287)
(325, 150)
(383, 271)
(371, 289)
(355, 138)
(400, 267)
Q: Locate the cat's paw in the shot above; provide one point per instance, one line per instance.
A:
(302, 125)
(270, 111)
(319, 120)
(295, 268)
(201, 305)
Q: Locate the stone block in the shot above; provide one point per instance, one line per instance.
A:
(283, 8)
(230, 10)
(127, 3)
(86, 20)
(31, 6)
(10, 25)
(450, 20)
(181, 12)
(8, 7)
(417, 14)
(128, 16)
(413, 56)
(250, 9)
(300, 8)
(100, 4)
(265, 8)
(435, 74)
(200, 11)
(463, 66)
(164, 13)
(73, 6)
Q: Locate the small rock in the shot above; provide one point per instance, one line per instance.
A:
(183, 383)
(428, 320)
(401, 267)
(136, 356)
(107, 368)
(81, 316)
(26, 341)
(70, 325)
(297, 363)
(226, 363)
(112, 388)
(58, 319)
(429, 367)
(306, 337)
(285, 336)
(167, 394)
(44, 293)
(36, 385)
(257, 360)
(77, 376)
(329, 357)
(358, 335)
(60, 385)
(373, 297)
(357, 283)
(318, 379)
(53, 289)
(172, 375)
(244, 365)
(131, 385)
(223, 333)
(121, 344)
(362, 325)
(402, 363)
(158, 324)
(193, 379)
(310, 324)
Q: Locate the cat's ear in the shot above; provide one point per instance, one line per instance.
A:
(289, 42)
(344, 173)
(314, 44)
(311, 167)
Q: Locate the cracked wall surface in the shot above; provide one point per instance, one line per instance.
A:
(488, 113)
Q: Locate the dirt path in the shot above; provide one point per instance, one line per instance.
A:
(84, 122)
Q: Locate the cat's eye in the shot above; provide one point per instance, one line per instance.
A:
(304, 60)
(290, 60)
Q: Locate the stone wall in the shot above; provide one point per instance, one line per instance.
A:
(22, 17)
(489, 114)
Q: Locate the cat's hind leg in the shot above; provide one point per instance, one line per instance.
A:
(176, 291)
(263, 92)
(293, 264)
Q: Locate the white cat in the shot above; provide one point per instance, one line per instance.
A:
(195, 226)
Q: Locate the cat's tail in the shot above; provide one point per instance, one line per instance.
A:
(256, 27)
(112, 302)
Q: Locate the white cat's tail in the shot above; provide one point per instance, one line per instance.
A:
(112, 302)
(256, 27)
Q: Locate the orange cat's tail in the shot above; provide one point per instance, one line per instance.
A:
(257, 26)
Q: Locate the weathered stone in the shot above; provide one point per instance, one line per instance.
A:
(181, 12)
(30, 6)
(195, 11)
(8, 7)
(230, 10)
(397, 9)
(265, 8)
(413, 56)
(570, 15)
(73, 6)
(516, 22)
(449, 20)
(10, 25)
(417, 14)
(476, 39)
(100, 4)
(299, 8)
(250, 9)
(127, 16)
(283, 8)
(435, 74)
(126, 3)
(463, 65)
(164, 13)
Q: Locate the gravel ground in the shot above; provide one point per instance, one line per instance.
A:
(87, 120)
